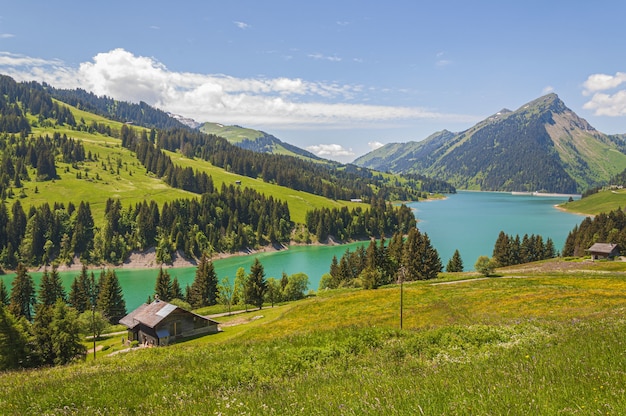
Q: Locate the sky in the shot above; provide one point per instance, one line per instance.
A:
(338, 78)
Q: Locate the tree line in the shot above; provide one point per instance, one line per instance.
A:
(408, 259)
(382, 219)
(509, 250)
(44, 327)
(16, 99)
(603, 228)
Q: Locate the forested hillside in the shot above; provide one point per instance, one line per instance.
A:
(49, 145)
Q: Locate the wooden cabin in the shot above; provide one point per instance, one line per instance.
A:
(603, 251)
(160, 323)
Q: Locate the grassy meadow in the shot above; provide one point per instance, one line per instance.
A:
(603, 201)
(545, 339)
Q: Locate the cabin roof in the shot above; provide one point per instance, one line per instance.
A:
(604, 248)
(152, 314)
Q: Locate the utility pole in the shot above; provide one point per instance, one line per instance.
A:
(401, 278)
(93, 324)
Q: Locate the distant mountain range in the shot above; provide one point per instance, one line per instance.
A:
(257, 141)
(542, 146)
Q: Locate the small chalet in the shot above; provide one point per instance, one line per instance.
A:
(603, 251)
(161, 323)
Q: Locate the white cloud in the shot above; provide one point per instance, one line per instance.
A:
(330, 150)
(241, 25)
(322, 57)
(375, 145)
(6, 35)
(441, 61)
(603, 82)
(547, 89)
(606, 99)
(274, 102)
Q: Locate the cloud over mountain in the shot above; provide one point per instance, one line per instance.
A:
(280, 102)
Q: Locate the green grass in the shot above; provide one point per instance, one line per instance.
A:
(133, 185)
(527, 343)
(603, 201)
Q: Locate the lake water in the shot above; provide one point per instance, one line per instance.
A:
(467, 221)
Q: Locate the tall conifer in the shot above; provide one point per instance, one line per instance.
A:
(22, 297)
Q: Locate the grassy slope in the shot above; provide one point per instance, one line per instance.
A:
(133, 185)
(604, 201)
(549, 343)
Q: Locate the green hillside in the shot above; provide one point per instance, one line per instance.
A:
(548, 341)
(258, 141)
(131, 184)
(93, 188)
(604, 201)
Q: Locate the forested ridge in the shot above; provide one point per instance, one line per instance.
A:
(227, 219)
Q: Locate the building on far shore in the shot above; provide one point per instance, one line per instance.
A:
(603, 251)
(161, 323)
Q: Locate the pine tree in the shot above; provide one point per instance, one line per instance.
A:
(203, 291)
(163, 286)
(501, 250)
(83, 291)
(65, 330)
(110, 298)
(256, 285)
(420, 259)
(83, 234)
(455, 264)
(177, 292)
(51, 287)
(43, 334)
(14, 342)
(4, 294)
(22, 297)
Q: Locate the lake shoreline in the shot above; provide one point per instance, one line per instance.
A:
(146, 260)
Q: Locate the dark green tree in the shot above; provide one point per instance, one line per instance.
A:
(455, 264)
(51, 287)
(110, 297)
(420, 259)
(4, 294)
(82, 238)
(83, 291)
(22, 297)
(15, 345)
(163, 286)
(203, 290)
(502, 250)
(177, 292)
(65, 330)
(42, 333)
(256, 285)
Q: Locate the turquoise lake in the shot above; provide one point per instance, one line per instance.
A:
(467, 221)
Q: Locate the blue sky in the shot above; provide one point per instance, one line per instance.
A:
(336, 77)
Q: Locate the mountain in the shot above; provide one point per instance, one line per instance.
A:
(256, 140)
(542, 146)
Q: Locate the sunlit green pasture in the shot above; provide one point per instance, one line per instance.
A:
(523, 343)
(131, 183)
(603, 201)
